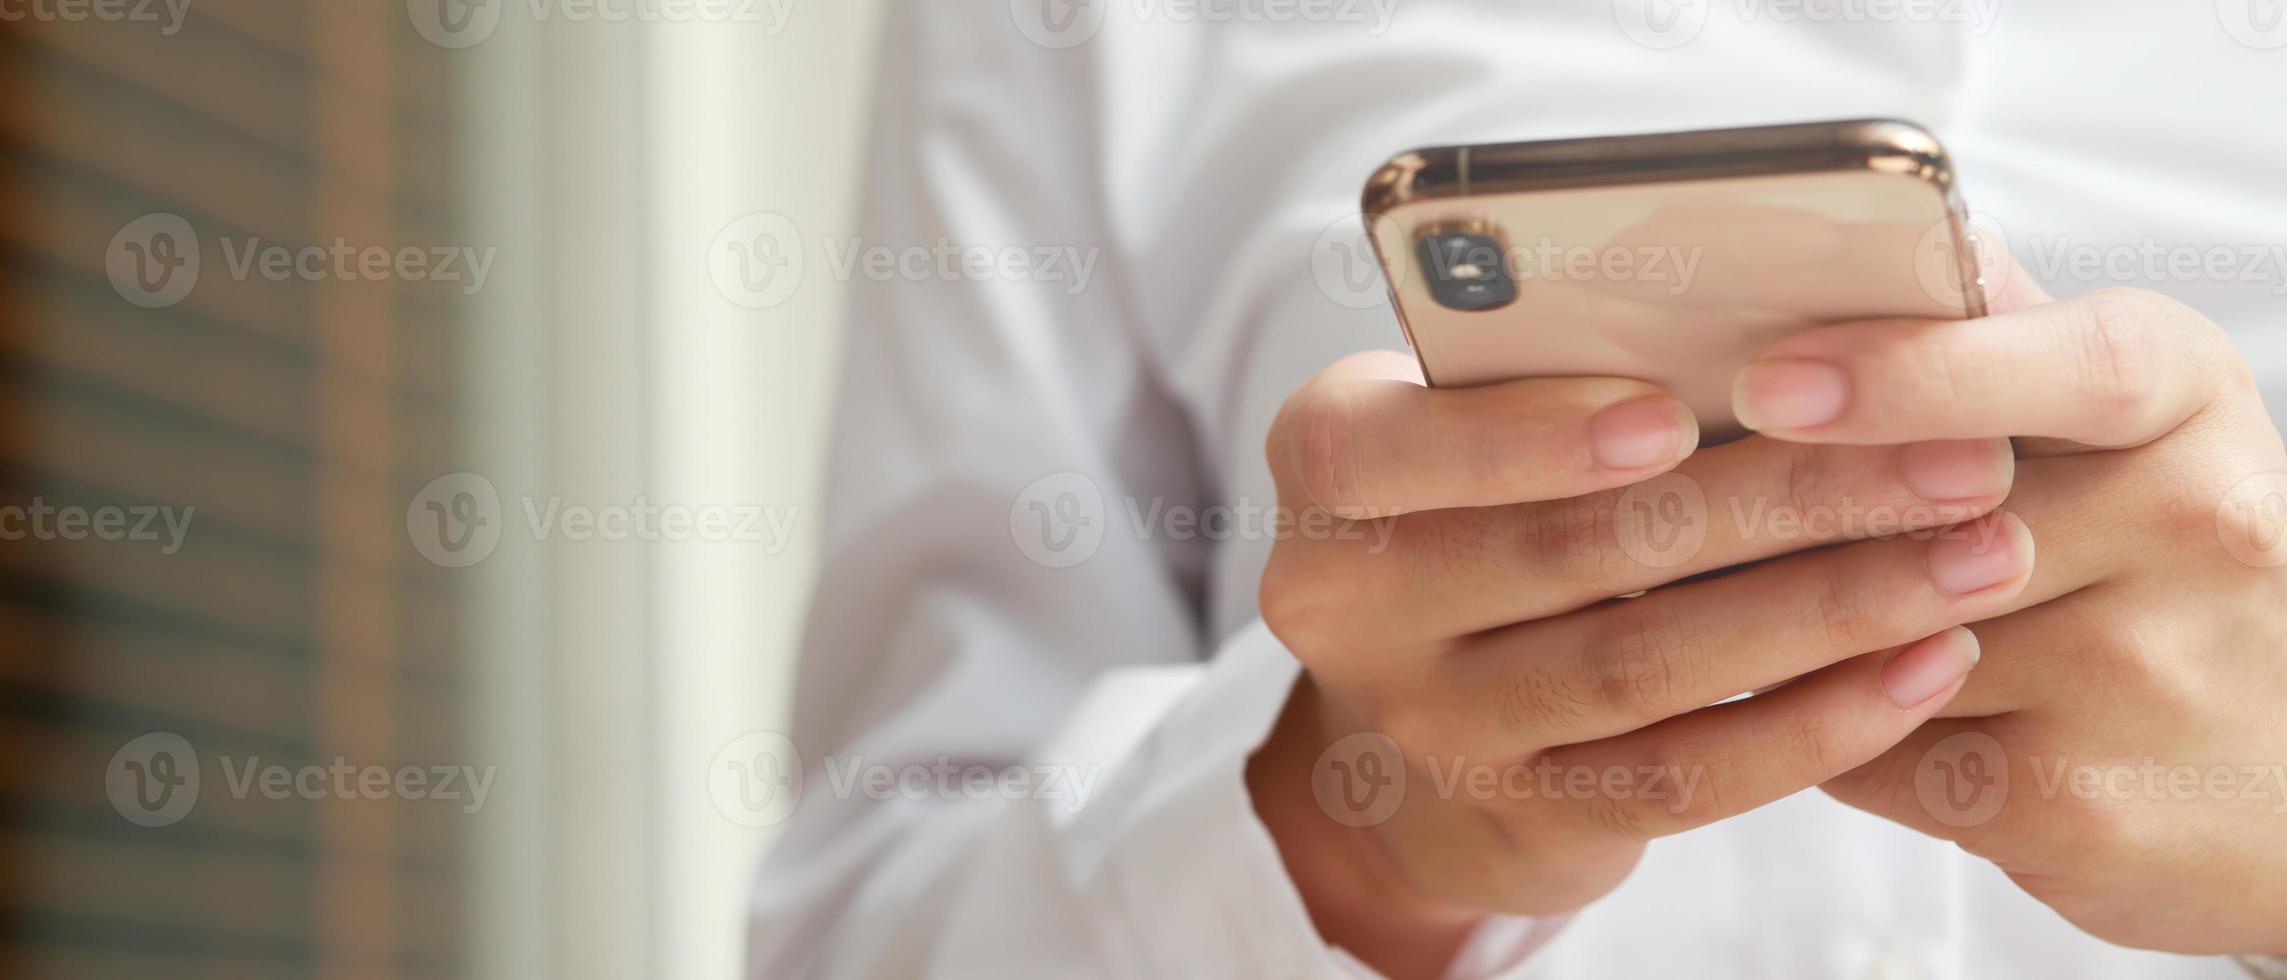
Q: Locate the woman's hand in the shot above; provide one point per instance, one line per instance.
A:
(1543, 730)
(2122, 751)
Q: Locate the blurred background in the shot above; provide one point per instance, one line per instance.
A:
(409, 449)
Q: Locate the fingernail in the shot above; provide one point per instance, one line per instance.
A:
(1978, 555)
(1965, 469)
(1929, 667)
(1789, 394)
(1641, 432)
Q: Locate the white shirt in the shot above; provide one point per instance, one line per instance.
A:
(1198, 165)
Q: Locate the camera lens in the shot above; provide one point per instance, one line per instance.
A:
(1467, 272)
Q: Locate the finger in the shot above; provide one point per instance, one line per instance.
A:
(1366, 439)
(2117, 368)
(2096, 516)
(1721, 761)
(2034, 659)
(1950, 779)
(2102, 512)
(1625, 665)
(1456, 572)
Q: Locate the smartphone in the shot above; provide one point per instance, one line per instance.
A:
(1669, 257)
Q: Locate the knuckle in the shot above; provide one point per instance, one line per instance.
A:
(1620, 816)
(1640, 664)
(2233, 515)
(1457, 545)
(1538, 700)
(2120, 655)
(2104, 650)
(2095, 827)
(1705, 765)
(1575, 540)
(1805, 484)
(1815, 744)
(1300, 604)
(1418, 730)
(1848, 616)
(2191, 506)
(2110, 654)
(1944, 371)
(2120, 353)
(1320, 438)
(1881, 785)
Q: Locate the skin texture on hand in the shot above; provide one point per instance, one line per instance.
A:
(2121, 751)
(2118, 749)
(1547, 731)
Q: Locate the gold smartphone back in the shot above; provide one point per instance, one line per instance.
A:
(1669, 257)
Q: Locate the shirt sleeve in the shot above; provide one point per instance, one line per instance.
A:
(1016, 761)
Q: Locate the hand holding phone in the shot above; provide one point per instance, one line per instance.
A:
(1481, 727)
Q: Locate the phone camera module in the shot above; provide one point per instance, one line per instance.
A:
(1467, 272)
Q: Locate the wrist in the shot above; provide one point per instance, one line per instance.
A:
(1357, 895)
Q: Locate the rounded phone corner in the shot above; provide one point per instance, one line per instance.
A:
(1901, 148)
(1404, 178)
(1391, 184)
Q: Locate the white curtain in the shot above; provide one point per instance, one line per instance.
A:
(605, 365)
